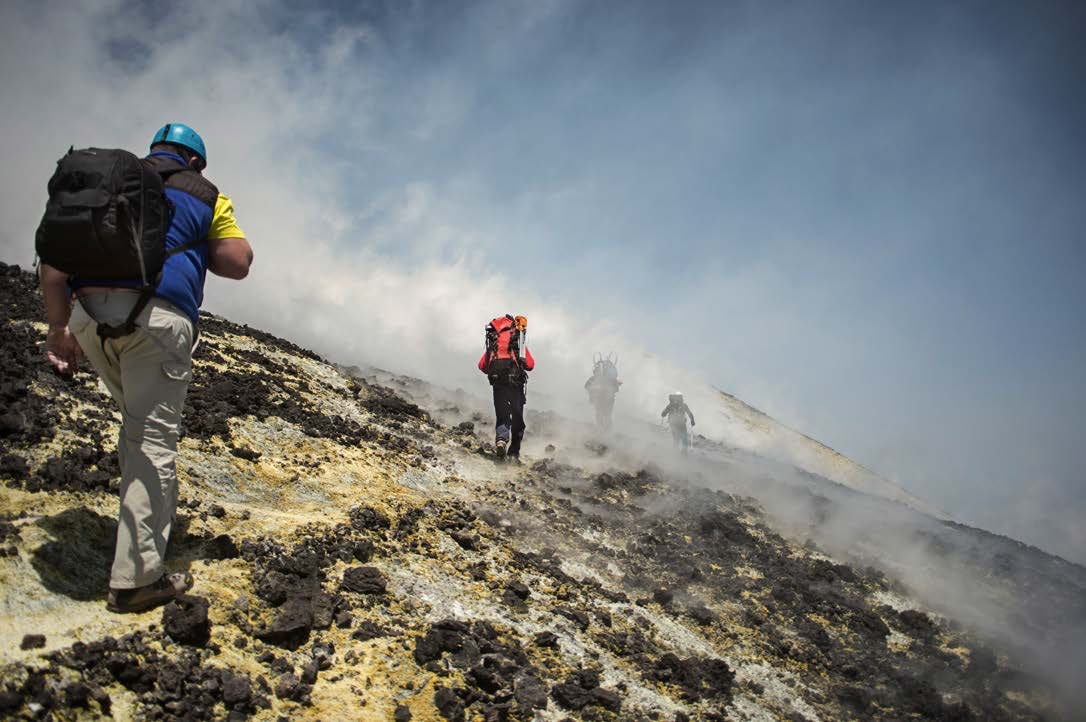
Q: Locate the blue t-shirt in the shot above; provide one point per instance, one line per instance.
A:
(183, 274)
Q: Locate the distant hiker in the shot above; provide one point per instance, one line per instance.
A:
(602, 386)
(133, 240)
(506, 362)
(676, 412)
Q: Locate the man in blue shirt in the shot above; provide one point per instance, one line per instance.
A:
(148, 371)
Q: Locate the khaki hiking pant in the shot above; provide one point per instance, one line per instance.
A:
(147, 372)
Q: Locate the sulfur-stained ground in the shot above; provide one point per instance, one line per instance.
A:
(355, 558)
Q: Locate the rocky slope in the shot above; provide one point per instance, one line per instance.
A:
(769, 438)
(359, 555)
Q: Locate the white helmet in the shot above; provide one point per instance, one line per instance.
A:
(677, 393)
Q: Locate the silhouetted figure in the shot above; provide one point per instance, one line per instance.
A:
(602, 386)
(676, 412)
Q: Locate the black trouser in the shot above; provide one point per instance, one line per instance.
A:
(509, 412)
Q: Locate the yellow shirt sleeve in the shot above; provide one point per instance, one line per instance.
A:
(223, 224)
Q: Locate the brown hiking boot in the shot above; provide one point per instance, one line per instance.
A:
(168, 587)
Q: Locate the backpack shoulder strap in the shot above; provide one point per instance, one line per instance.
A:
(181, 177)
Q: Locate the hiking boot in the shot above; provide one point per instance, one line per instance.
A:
(167, 588)
(499, 448)
(513, 458)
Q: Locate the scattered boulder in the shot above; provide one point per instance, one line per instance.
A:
(364, 580)
(185, 620)
(291, 627)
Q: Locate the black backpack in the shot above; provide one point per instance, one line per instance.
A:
(107, 218)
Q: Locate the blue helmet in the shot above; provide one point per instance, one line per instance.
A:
(182, 135)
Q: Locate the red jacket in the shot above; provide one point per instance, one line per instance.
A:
(502, 324)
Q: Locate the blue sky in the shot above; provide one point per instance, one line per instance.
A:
(865, 219)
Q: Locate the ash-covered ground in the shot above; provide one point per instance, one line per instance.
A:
(359, 555)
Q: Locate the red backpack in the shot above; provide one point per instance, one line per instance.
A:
(506, 339)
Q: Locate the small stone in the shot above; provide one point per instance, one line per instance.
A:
(402, 714)
(236, 689)
(287, 686)
(466, 540)
(363, 550)
(529, 692)
(364, 580)
(243, 453)
(32, 641)
(546, 640)
(77, 695)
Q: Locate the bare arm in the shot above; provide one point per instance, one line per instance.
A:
(229, 257)
(61, 348)
(690, 414)
(58, 297)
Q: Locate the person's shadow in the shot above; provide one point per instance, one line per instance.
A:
(76, 561)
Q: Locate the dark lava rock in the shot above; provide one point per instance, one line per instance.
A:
(364, 580)
(368, 630)
(32, 641)
(77, 695)
(582, 689)
(323, 610)
(236, 689)
(363, 550)
(700, 614)
(696, 678)
(529, 691)
(445, 636)
(14, 467)
(292, 626)
(383, 401)
(574, 615)
(607, 699)
(663, 597)
(466, 540)
(323, 652)
(918, 624)
(449, 704)
(10, 701)
(402, 714)
(571, 696)
(243, 453)
(275, 587)
(309, 672)
(519, 590)
(363, 518)
(185, 620)
(289, 687)
(221, 547)
(546, 640)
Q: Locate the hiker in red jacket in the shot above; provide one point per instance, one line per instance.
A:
(506, 362)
